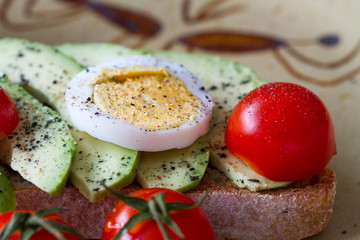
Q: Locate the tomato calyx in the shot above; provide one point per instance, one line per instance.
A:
(156, 209)
(28, 224)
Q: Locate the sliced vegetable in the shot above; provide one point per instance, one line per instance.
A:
(283, 131)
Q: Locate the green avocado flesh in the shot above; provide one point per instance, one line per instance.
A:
(177, 169)
(7, 194)
(101, 161)
(226, 81)
(149, 174)
(41, 146)
(45, 72)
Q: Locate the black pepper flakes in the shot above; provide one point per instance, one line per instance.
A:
(194, 178)
(23, 80)
(254, 180)
(223, 148)
(213, 88)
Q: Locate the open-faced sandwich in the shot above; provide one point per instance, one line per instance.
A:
(132, 119)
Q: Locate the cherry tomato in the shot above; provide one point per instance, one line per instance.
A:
(283, 131)
(9, 118)
(192, 222)
(41, 234)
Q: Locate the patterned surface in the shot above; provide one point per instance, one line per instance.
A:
(314, 43)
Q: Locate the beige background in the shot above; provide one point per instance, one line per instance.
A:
(297, 23)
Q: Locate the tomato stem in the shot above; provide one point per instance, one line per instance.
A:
(155, 215)
(156, 208)
(28, 224)
(159, 200)
(38, 221)
(17, 221)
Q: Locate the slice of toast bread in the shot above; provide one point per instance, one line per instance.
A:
(295, 212)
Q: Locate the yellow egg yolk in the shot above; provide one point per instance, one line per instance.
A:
(147, 97)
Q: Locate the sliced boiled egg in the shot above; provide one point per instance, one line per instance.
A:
(140, 102)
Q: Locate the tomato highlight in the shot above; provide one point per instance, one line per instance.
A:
(283, 131)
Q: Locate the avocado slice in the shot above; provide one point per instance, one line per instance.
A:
(44, 71)
(177, 169)
(197, 155)
(98, 161)
(7, 194)
(226, 81)
(42, 145)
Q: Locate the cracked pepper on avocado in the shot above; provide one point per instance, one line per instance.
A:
(111, 122)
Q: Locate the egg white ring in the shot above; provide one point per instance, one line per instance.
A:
(87, 117)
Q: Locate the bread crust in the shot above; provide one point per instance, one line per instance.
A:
(295, 212)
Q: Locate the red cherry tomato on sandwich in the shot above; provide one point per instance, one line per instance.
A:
(42, 234)
(192, 222)
(283, 131)
(9, 118)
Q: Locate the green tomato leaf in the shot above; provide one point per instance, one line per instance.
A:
(155, 215)
(27, 233)
(45, 212)
(172, 206)
(159, 199)
(38, 221)
(134, 202)
(64, 228)
(16, 223)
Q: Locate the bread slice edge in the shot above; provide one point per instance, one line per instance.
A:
(295, 212)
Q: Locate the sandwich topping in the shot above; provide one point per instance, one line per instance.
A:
(148, 104)
(147, 97)
(141, 103)
(290, 125)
